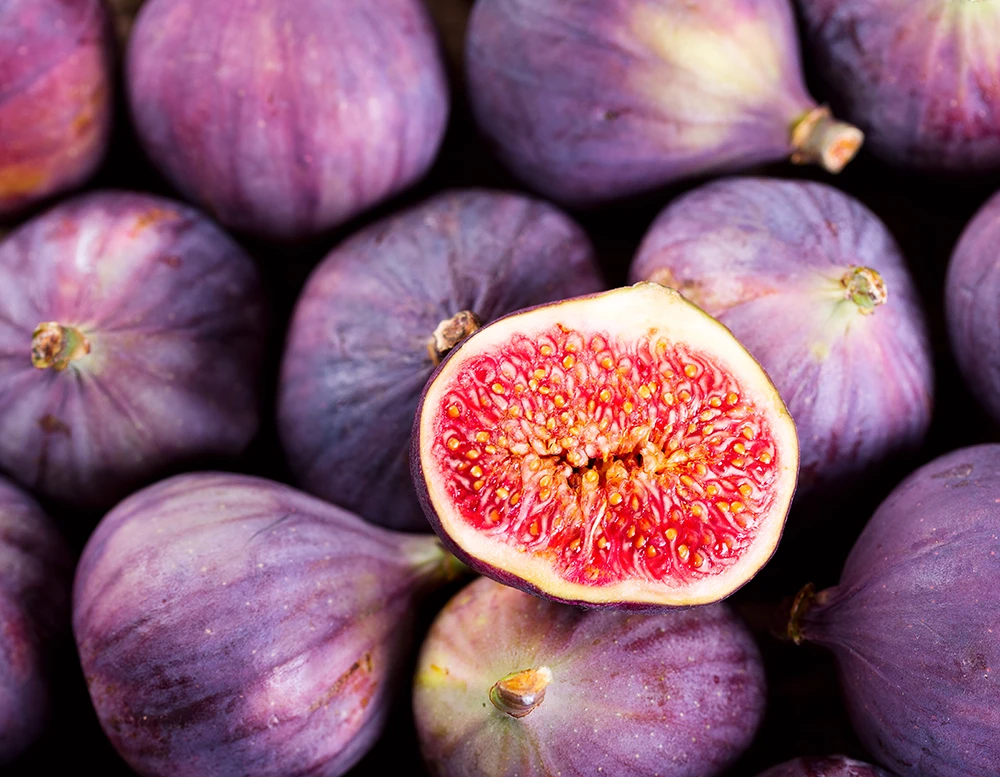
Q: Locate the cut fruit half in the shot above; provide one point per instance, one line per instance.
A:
(616, 450)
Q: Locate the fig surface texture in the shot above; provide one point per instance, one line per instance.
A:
(833, 766)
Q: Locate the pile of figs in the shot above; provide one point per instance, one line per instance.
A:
(500, 388)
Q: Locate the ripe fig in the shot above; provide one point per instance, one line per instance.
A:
(918, 76)
(815, 287)
(382, 310)
(590, 100)
(55, 97)
(913, 624)
(614, 450)
(972, 305)
(509, 685)
(834, 766)
(234, 627)
(306, 113)
(35, 573)
(131, 331)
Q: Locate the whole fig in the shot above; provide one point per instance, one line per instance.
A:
(285, 118)
(913, 623)
(381, 311)
(509, 685)
(591, 100)
(234, 627)
(834, 766)
(815, 287)
(131, 332)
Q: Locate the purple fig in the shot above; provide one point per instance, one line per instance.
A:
(35, 573)
(913, 624)
(972, 305)
(918, 76)
(834, 766)
(131, 331)
(509, 685)
(590, 100)
(287, 117)
(234, 627)
(815, 287)
(55, 97)
(382, 310)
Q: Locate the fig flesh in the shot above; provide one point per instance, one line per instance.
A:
(620, 450)
(232, 626)
(592, 100)
(55, 97)
(815, 287)
(509, 685)
(383, 309)
(307, 113)
(131, 332)
(913, 623)
(834, 766)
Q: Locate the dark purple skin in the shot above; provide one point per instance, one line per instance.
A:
(56, 95)
(357, 357)
(767, 258)
(972, 305)
(307, 113)
(592, 100)
(173, 313)
(834, 766)
(235, 627)
(35, 573)
(918, 76)
(914, 622)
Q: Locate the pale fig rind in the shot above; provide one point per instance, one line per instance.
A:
(831, 766)
(679, 693)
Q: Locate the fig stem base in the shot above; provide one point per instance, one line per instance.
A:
(819, 138)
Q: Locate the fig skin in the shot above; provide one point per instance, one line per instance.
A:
(918, 76)
(592, 100)
(172, 313)
(310, 112)
(35, 574)
(357, 359)
(913, 622)
(972, 302)
(627, 695)
(55, 97)
(833, 766)
(233, 626)
(767, 258)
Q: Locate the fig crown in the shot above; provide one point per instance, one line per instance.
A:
(519, 693)
(54, 345)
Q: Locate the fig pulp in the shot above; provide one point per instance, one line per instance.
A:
(914, 622)
(35, 573)
(380, 312)
(834, 766)
(55, 97)
(234, 627)
(620, 449)
(509, 685)
(591, 100)
(815, 287)
(307, 112)
(131, 331)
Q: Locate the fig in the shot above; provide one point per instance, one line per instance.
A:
(815, 287)
(381, 311)
(913, 623)
(971, 304)
(232, 626)
(509, 685)
(615, 450)
(55, 97)
(834, 766)
(35, 573)
(918, 76)
(131, 332)
(592, 100)
(306, 113)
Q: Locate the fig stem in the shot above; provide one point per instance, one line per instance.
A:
(800, 605)
(55, 346)
(451, 332)
(865, 288)
(819, 138)
(519, 693)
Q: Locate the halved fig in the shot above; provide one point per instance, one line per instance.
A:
(615, 450)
